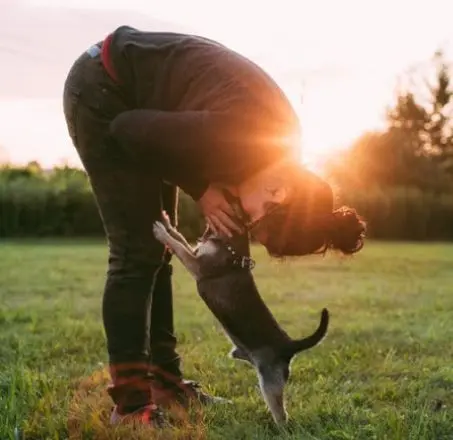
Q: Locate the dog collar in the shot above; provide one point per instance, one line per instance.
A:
(243, 262)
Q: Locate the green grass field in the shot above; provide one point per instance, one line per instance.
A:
(384, 372)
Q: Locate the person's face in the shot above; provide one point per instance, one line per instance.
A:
(260, 228)
(260, 203)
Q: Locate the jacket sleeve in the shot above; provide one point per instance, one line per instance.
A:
(161, 141)
(195, 148)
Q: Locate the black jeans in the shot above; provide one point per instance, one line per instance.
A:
(137, 304)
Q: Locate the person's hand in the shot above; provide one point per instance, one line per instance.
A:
(218, 213)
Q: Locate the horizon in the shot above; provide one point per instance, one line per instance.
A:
(344, 68)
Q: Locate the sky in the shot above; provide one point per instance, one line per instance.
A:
(337, 61)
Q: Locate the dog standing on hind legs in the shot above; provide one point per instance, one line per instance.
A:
(222, 270)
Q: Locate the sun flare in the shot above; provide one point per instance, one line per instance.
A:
(331, 117)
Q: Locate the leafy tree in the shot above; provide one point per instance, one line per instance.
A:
(385, 160)
(416, 149)
(423, 114)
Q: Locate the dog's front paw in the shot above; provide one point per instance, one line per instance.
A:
(166, 221)
(160, 232)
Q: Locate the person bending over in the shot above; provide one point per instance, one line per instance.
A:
(150, 112)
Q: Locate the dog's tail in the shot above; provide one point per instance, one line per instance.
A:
(315, 338)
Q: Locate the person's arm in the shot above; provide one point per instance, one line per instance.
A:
(179, 147)
(198, 151)
(160, 140)
(210, 147)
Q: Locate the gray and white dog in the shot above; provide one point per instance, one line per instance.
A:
(222, 270)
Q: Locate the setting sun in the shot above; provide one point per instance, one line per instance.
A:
(333, 116)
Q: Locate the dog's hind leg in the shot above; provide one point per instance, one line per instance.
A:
(185, 255)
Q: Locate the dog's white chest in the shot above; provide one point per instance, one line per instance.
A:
(208, 249)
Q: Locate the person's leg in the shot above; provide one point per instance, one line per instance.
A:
(129, 201)
(164, 360)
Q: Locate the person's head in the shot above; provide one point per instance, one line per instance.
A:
(292, 213)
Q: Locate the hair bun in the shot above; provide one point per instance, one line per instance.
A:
(347, 232)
